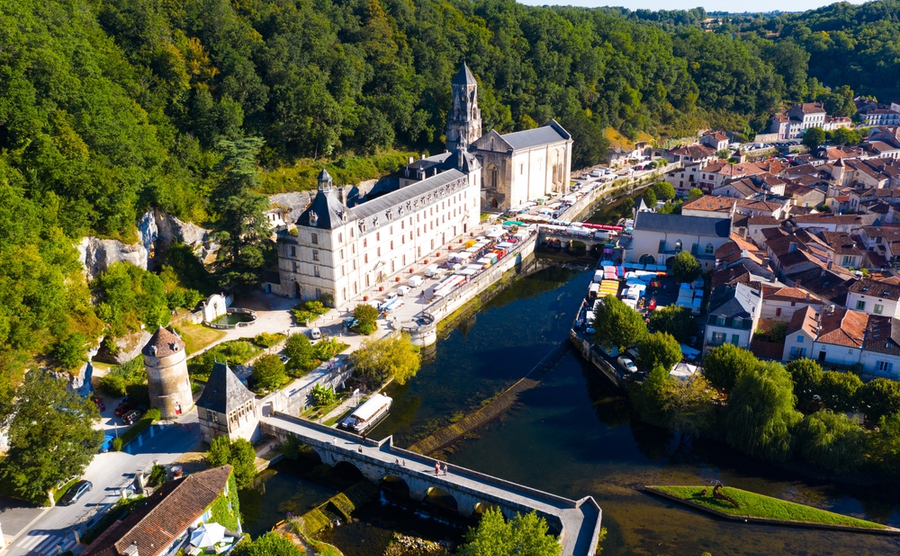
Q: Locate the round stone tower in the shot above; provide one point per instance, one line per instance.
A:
(167, 374)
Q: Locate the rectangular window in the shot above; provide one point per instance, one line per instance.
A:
(860, 305)
(367, 280)
(365, 242)
(778, 311)
(341, 240)
(878, 309)
(848, 260)
(377, 236)
(316, 271)
(735, 339)
(293, 251)
(366, 258)
(718, 338)
(379, 251)
(315, 255)
(797, 353)
(885, 366)
(295, 266)
(315, 238)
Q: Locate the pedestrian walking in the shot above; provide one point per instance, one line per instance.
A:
(334, 440)
(437, 468)
(404, 463)
(397, 461)
(359, 449)
(445, 468)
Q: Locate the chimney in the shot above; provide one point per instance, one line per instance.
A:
(830, 264)
(132, 550)
(411, 159)
(792, 248)
(807, 296)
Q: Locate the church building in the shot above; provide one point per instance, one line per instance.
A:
(515, 167)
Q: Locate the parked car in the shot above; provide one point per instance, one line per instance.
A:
(124, 407)
(98, 401)
(73, 494)
(628, 364)
(132, 416)
(350, 322)
(107, 444)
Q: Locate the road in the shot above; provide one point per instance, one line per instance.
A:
(51, 530)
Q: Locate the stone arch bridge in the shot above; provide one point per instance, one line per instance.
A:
(578, 521)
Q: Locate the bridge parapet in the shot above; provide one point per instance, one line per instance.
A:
(577, 521)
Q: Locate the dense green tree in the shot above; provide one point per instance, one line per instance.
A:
(51, 436)
(523, 535)
(831, 440)
(694, 194)
(663, 190)
(269, 372)
(884, 445)
(241, 229)
(806, 375)
(130, 296)
(844, 136)
(658, 349)
(838, 390)
(683, 406)
(761, 413)
(617, 325)
(299, 350)
(649, 198)
(239, 454)
(392, 357)
(675, 320)
(813, 137)
(685, 267)
(272, 543)
(366, 318)
(724, 365)
(879, 397)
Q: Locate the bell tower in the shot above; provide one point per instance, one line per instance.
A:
(464, 119)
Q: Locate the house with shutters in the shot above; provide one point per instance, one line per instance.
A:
(657, 238)
(734, 313)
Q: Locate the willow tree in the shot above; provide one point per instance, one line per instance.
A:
(761, 413)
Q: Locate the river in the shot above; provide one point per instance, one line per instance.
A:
(574, 435)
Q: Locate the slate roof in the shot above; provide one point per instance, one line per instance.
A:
(390, 200)
(166, 514)
(325, 212)
(166, 343)
(734, 301)
(875, 288)
(223, 392)
(464, 76)
(549, 133)
(883, 335)
(677, 223)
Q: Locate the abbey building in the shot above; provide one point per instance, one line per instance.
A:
(348, 249)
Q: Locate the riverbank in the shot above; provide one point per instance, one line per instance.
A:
(739, 505)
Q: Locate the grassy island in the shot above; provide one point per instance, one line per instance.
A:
(758, 508)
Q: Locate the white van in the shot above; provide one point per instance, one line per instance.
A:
(416, 281)
(431, 271)
(403, 290)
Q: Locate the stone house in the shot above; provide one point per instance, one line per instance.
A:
(226, 407)
(659, 237)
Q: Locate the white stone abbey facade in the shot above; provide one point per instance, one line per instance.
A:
(349, 251)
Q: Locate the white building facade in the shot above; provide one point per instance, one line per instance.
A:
(346, 252)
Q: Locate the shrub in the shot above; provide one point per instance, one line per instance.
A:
(685, 268)
(117, 444)
(269, 372)
(158, 475)
(322, 396)
(267, 340)
(112, 385)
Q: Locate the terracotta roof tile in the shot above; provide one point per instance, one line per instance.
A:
(843, 327)
(163, 343)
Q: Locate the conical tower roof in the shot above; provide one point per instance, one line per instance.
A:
(163, 343)
(464, 77)
(324, 176)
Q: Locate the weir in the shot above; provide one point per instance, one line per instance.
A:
(578, 521)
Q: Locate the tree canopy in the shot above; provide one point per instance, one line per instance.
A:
(51, 436)
(685, 267)
(675, 320)
(523, 535)
(239, 454)
(393, 356)
(658, 349)
(617, 325)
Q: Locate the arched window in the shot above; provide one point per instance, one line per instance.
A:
(494, 203)
(494, 175)
(709, 249)
(678, 245)
(647, 259)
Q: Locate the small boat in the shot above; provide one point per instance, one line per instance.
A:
(368, 414)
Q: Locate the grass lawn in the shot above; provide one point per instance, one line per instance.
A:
(197, 337)
(757, 505)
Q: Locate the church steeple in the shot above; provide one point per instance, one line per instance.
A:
(464, 120)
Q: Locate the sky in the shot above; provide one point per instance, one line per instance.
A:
(708, 5)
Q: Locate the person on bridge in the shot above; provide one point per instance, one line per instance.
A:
(445, 468)
(437, 468)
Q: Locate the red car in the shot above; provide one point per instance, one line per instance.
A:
(124, 407)
(99, 402)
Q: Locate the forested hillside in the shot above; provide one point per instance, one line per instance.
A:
(109, 107)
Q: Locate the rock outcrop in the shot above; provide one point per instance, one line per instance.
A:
(127, 348)
(157, 231)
